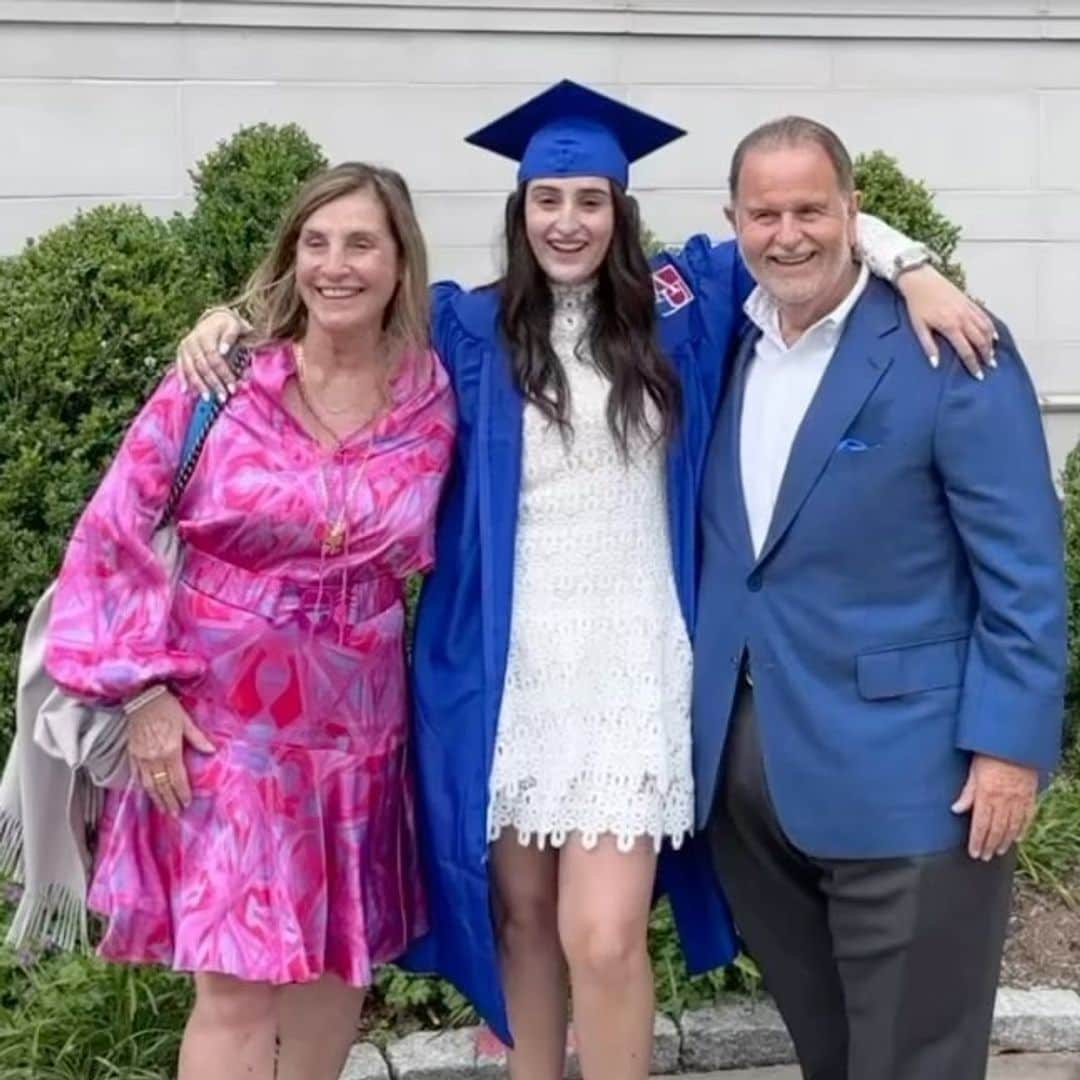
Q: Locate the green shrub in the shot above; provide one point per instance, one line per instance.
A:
(82, 1019)
(241, 190)
(1050, 853)
(1051, 850)
(88, 314)
(908, 205)
(676, 990)
(650, 242)
(1070, 483)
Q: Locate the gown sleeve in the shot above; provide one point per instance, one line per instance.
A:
(108, 634)
(443, 321)
(880, 245)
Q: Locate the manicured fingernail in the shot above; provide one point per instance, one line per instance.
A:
(980, 374)
(997, 336)
(935, 360)
(222, 396)
(992, 361)
(205, 395)
(232, 388)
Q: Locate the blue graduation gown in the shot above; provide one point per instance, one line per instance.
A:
(463, 619)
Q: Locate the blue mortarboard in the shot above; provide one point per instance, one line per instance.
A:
(570, 130)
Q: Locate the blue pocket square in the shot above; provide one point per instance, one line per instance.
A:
(853, 446)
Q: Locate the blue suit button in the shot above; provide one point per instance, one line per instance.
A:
(753, 582)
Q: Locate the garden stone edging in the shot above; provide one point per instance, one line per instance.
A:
(365, 1063)
(736, 1034)
(1037, 1021)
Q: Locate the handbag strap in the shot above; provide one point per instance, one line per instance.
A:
(207, 410)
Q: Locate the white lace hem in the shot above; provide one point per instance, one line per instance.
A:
(550, 821)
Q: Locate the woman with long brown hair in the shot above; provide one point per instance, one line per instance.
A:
(552, 658)
(266, 840)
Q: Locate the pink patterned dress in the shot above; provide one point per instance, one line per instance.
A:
(282, 636)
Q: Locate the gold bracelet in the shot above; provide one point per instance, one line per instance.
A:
(144, 698)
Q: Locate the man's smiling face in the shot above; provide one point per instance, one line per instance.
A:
(794, 223)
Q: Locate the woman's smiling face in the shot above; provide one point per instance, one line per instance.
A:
(347, 263)
(569, 223)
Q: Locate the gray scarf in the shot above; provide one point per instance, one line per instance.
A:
(65, 754)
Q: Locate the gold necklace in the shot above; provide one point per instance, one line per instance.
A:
(302, 381)
(335, 533)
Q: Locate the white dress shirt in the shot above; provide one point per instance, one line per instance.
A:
(780, 385)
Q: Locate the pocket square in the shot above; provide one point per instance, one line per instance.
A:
(853, 446)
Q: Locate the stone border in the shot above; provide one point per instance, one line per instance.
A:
(735, 1035)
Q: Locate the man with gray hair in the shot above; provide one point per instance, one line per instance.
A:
(880, 642)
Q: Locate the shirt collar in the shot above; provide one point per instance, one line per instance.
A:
(762, 310)
(275, 361)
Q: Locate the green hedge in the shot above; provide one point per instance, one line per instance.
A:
(908, 205)
(1070, 482)
(241, 188)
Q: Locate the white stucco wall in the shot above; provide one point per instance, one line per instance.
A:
(115, 99)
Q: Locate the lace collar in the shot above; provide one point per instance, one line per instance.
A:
(573, 299)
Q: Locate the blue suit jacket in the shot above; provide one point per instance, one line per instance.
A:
(463, 619)
(908, 606)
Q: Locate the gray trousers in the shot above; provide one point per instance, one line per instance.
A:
(883, 969)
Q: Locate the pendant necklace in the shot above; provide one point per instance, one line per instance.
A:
(333, 533)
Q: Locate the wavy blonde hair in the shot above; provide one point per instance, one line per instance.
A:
(271, 299)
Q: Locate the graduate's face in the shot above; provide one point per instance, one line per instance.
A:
(569, 223)
(347, 263)
(794, 223)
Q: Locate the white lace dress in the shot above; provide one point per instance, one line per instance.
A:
(594, 730)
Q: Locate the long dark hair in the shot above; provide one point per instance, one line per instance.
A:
(622, 334)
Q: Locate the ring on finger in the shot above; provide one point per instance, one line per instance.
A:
(160, 776)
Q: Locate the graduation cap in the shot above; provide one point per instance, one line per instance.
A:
(570, 130)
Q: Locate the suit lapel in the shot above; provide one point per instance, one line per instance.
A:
(855, 369)
(743, 357)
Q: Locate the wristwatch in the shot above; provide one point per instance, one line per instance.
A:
(910, 259)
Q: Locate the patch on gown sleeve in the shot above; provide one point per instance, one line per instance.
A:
(672, 292)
